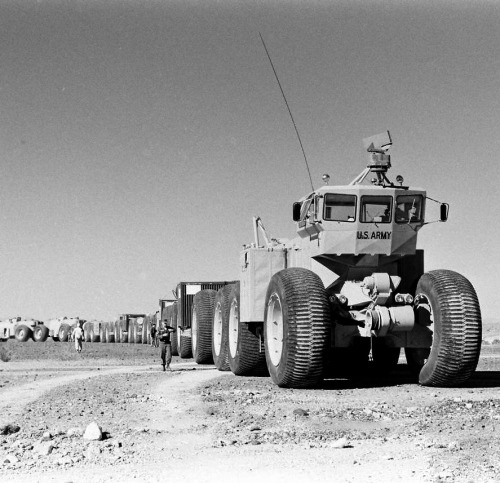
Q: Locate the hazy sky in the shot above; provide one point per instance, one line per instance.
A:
(138, 139)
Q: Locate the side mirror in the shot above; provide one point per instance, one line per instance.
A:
(296, 211)
(444, 211)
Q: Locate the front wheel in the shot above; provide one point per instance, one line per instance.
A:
(63, 332)
(22, 333)
(296, 328)
(448, 302)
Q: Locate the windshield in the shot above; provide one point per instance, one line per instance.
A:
(408, 209)
(376, 209)
(340, 207)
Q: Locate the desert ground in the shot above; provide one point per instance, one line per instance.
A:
(198, 424)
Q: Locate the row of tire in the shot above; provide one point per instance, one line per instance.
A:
(107, 332)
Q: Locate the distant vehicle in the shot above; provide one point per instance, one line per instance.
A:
(23, 329)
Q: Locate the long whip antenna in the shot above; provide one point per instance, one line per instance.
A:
(289, 110)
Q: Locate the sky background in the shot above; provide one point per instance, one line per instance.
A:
(138, 139)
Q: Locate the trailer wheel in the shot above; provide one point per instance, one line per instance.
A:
(40, 333)
(146, 326)
(63, 332)
(118, 335)
(184, 342)
(110, 336)
(296, 327)
(138, 333)
(131, 331)
(201, 326)
(385, 357)
(172, 321)
(86, 332)
(22, 333)
(448, 301)
(220, 329)
(94, 337)
(245, 355)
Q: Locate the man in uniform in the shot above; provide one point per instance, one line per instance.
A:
(78, 336)
(165, 345)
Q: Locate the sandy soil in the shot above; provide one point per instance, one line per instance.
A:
(201, 424)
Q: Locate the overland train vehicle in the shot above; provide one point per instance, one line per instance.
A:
(351, 286)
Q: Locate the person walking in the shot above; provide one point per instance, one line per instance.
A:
(78, 336)
(153, 335)
(165, 345)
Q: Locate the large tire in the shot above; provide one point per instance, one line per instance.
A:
(131, 331)
(297, 328)
(118, 333)
(22, 333)
(102, 332)
(184, 343)
(94, 334)
(146, 326)
(448, 301)
(201, 326)
(173, 323)
(245, 357)
(138, 333)
(63, 333)
(110, 336)
(40, 333)
(86, 332)
(220, 329)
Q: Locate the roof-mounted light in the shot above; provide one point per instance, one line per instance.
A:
(326, 178)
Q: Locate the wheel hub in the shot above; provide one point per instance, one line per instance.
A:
(274, 329)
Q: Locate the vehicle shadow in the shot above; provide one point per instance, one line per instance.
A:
(401, 376)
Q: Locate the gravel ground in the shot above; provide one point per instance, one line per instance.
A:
(199, 423)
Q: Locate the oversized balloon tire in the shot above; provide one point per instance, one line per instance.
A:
(86, 332)
(201, 326)
(184, 345)
(94, 335)
(110, 336)
(245, 356)
(297, 328)
(118, 332)
(173, 323)
(22, 333)
(63, 333)
(131, 331)
(220, 329)
(449, 302)
(40, 333)
(102, 332)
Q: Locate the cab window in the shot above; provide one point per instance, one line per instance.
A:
(409, 209)
(376, 209)
(339, 207)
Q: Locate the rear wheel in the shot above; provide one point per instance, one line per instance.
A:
(102, 332)
(86, 331)
(245, 355)
(184, 343)
(22, 333)
(94, 334)
(40, 333)
(448, 302)
(220, 329)
(296, 327)
(201, 326)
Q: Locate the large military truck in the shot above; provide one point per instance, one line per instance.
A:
(348, 291)
(23, 329)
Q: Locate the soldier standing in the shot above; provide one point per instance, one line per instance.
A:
(165, 345)
(78, 336)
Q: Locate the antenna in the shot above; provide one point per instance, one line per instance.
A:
(289, 110)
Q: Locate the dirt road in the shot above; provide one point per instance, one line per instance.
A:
(200, 424)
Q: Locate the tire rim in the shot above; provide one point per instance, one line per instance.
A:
(233, 328)
(274, 329)
(217, 329)
(194, 331)
(22, 333)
